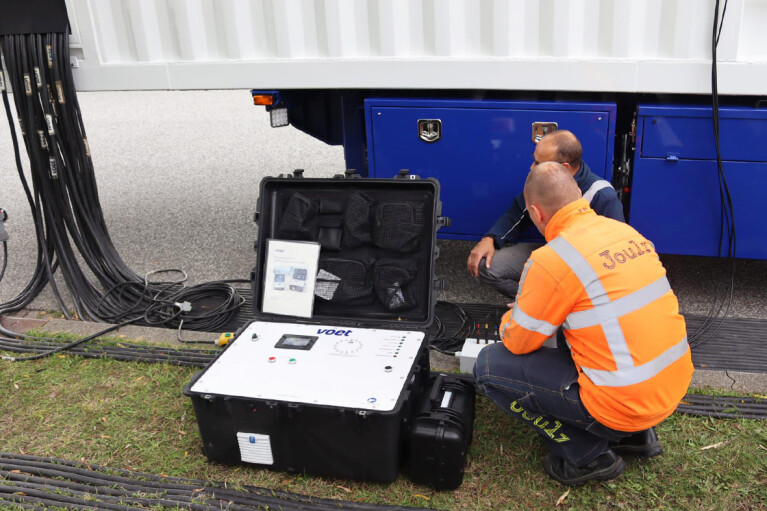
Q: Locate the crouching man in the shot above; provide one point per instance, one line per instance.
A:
(625, 364)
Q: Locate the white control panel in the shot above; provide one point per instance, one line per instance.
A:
(361, 368)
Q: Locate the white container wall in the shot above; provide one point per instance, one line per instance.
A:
(579, 45)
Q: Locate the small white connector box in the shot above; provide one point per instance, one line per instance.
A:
(468, 354)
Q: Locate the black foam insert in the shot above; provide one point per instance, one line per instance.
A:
(409, 299)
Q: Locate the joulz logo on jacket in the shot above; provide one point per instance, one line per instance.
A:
(632, 251)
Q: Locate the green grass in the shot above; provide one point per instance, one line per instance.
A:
(134, 416)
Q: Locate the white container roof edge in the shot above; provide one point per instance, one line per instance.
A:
(580, 45)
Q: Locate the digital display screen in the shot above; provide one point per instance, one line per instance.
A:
(296, 342)
(301, 342)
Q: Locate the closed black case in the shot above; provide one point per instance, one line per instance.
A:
(441, 432)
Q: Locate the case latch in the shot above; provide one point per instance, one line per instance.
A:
(298, 173)
(405, 174)
(257, 214)
(444, 221)
(441, 285)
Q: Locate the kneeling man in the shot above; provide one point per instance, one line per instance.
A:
(623, 363)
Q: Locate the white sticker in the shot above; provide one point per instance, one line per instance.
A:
(54, 168)
(38, 78)
(87, 147)
(49, 50)
(2, 80)
(60, 91)
(446, 399)
(255, 448)
(49, 121)
(43, 142)
(27, 84)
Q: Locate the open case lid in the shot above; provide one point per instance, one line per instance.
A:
(377, 254)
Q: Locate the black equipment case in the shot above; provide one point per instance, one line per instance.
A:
(441, 432)
(378, 236)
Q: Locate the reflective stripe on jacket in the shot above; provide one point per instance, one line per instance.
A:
(600, 194)
(603, 283)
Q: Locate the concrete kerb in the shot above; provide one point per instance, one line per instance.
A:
(27, 320)
(164, 336)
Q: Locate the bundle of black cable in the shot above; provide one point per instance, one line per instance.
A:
(71, 232)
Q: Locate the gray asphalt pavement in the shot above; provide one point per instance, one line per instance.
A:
(178, 176)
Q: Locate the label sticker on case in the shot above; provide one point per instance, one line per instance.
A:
(255, 448)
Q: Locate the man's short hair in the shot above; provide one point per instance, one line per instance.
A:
(569, 149)
(551, 187)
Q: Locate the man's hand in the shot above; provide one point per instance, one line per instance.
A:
(485, 248)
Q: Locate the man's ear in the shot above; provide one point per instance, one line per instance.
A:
(536, 213)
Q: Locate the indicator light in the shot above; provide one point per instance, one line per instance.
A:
(263, 99)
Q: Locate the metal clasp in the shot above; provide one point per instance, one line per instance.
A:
(429, 130)
(541, 129)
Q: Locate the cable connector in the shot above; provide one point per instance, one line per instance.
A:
(468, 355)
(224, 339)
(184, 306)
(11, 359)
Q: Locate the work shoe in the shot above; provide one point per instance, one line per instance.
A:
(644, 444)
(608, 465)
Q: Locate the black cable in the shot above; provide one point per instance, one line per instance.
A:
(719, 32)
(122, 352)
(5, 260)
(103, 345)
(450, 344)
(3, 219)
(44, 250)
(723, 293)
(69, 345)
(71, 231)
(71, 475)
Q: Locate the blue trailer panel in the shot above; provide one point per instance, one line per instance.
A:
(675, 199)
(483, 152)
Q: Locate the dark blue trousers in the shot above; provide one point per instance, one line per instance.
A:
(541, 390)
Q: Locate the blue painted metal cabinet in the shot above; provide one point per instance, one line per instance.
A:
(484, 153)
(675, 199)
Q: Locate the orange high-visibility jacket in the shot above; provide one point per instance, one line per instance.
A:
(603, 283)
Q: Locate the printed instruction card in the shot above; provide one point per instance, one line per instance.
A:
(289, 278)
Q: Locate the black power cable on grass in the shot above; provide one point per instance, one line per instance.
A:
(97, 485)
(126, 352)
(67, 346)
(723, 292)
(72, 236)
